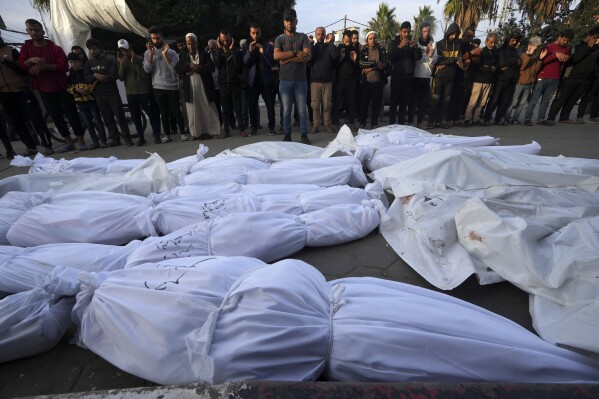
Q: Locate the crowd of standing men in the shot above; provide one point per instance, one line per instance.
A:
(203, 92)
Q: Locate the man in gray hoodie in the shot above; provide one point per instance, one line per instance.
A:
(159, 62)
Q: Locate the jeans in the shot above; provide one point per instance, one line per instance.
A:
(519, 101)
(501, 99)
(253, 94)
(290, 91)
(544, 88)
(90, 114)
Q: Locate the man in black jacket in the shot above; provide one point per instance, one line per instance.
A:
(573, 86)
(450, 57)
(348, 74)
(373, 63)
(322, 63)
(228, 62)
(508, 68)
(403, 54)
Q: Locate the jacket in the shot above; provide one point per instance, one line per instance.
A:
(207, 68)
(346, 68)
(323, 61)
(449, 52)
(76, 80)
(552, 67)
(403, 60)
(137, 81)
(366, 63)
(106, 66)
(508, 62)
(584, 61)
(12, 79)
(46, 81)
(229, 65)
(487, 66)
(265, 60)
(529, 68)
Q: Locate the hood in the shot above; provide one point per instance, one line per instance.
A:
(453, 28)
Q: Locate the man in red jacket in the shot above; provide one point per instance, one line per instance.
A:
(47, 64)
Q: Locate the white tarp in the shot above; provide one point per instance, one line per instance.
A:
(276, 150)
(72, 20)
(13, 205)
(22, 269)
(268, 236)
(84, 216)
(150, 176)
(215, 319)
(32, 322)
(390, 331)
(139, 319)
(527, 219)
(176, 213)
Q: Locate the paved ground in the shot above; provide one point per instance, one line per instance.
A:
(68, 368)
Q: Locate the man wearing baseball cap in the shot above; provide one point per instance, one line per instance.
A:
(138, 87)
(292, 50)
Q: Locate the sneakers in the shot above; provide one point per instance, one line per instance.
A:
(166, 139)
(547, 123)
(527, 123)
(570, 121)
(305, 140)
(541, 122)
(140, 142)
(515, 122)
(272, 132)
(593, 120)
(103, 144)
(184, 137)
(579, 120)
(253, 132)
(10, 155)
(287, 137)
(114, 143)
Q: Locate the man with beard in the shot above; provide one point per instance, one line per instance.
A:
(258, 57)
(292, 50)
(508, 68)
(196, 67)
(324, 58)
(403, 54)
(229, 64)
(486, 62)
(450, 58)
(373, 63)
(101, 71)
(47, 65)
(348, 73)
(422, 73)
(160, 62)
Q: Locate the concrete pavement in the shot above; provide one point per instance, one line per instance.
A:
(67, 368)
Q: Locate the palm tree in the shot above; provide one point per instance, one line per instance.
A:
(541, 11)
(41, 5)
(425, 14)
(384, 23)
(469, 12)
